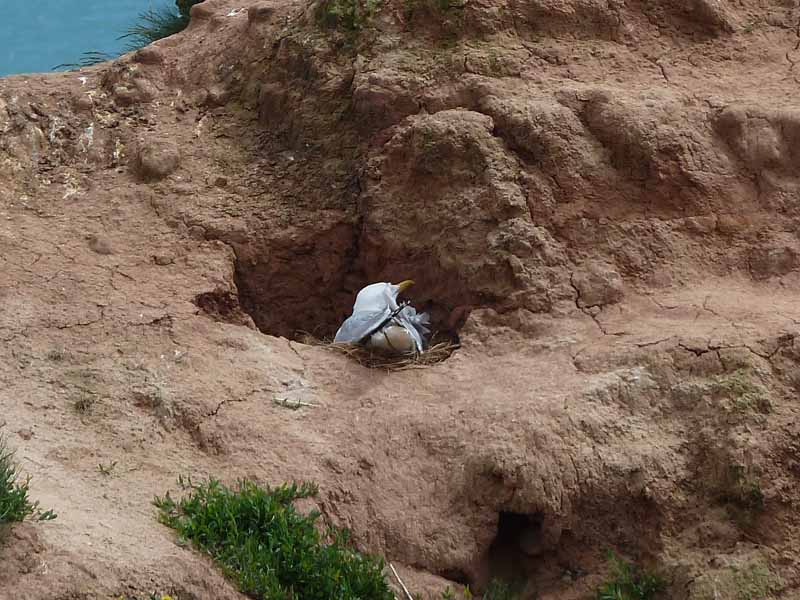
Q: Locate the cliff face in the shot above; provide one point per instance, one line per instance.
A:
(601, 199)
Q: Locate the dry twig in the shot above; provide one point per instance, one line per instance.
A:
(400, 581)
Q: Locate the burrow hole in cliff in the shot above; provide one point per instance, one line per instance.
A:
(519, 559)
(533, 556)
(518, 540)
(305, 299)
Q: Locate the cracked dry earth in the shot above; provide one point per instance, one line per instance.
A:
(599, 198)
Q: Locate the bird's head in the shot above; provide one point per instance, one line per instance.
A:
(378, 295)
(401, 287)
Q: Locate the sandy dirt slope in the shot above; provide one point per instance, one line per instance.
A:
(599, 199)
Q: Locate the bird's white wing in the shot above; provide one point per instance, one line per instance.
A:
(360, 324)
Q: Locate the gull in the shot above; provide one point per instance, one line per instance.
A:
(381, 323)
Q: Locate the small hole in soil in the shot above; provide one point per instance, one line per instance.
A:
(519, 539)
(455, 575)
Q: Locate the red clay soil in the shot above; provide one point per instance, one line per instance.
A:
(600, 198)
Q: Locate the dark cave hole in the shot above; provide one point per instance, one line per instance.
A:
(456, 575)
(289, 311)
(511, 556)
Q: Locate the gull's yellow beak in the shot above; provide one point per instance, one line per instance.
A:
(404, 285)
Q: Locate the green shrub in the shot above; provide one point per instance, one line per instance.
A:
(14, 502)
(269, 549)
(629, 582)
(348, 15)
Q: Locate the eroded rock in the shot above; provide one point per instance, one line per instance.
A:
(149, 55)
(155, 159)
(773, 261)
(460, 222)
(597, 285)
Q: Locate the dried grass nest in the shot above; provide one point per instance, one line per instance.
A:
(440, 349)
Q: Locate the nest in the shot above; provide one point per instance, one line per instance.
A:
(437, 352)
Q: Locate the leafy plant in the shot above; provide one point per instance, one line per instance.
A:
(629, 582)
(14, 502)
(269, 549)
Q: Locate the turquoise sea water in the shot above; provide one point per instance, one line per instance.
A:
(37, 35)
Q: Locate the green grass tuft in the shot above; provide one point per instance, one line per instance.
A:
(743, 389)
(499, 590)
(269, 549)
(15, 504)
(748, 579)
(629, 582)
(88, 59)
(154, 24)
(741, 491)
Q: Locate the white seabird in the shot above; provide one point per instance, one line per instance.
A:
(379, 322)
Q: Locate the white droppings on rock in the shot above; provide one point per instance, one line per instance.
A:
(87, 138)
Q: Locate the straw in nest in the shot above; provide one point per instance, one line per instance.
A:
(434, 354)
